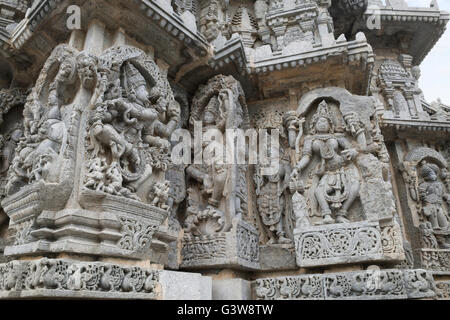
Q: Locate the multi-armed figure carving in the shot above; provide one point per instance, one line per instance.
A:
(45, 132)
(129, 132)
(338, 186)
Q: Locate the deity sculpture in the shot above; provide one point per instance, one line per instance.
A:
(213, 175)
(161, 195)
(8, 148)
(432, 194)
(272, 204)
(45, 133)
(129, 132)
(214, 197)
(339, 185)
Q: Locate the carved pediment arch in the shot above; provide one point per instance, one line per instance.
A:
(237, 117)
(345, 99)
(50, 70)
(347, 103)
(417, 155)
(113, 61)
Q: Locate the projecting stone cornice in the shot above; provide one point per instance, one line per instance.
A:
(358, 50)
(424, 27)
(166, 18)
(416, 126)
(296, 65)
(152, 24)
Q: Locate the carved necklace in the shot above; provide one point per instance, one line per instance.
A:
(323, 137)
(326, 151)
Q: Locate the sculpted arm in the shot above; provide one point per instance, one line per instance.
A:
(349, 152)
(173, 113)
(195, 173)
(306, 159)
(422, 191)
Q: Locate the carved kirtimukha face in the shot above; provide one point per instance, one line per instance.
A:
(87, 72)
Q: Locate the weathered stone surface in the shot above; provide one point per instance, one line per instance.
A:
(48, 278)
(364, 285)
(116, 152)
(281, 257)
(436, 260)
(443, 290)
(339, 244)
(185, 286)
(237, 248)
(231, 289)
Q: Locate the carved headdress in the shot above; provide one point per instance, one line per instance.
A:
(212, 106)
(69, 60)
(133, 78)
(322, 112)
(427, 169)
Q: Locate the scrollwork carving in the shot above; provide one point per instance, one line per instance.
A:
(136, 236)
(72, 277)
(129, 131)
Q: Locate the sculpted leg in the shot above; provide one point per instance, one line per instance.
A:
(433, 219)
(323, 204)
(442, 219)
(219, 185)
(281, 234)
(353, 194)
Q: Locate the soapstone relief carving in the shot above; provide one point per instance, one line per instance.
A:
(40, 153)
(340, 199)
(338, 185)
(76, 277)
(129, 130)
(11, 119)
(218, 106)
(273, 197)
(86, 169)
(424, 172)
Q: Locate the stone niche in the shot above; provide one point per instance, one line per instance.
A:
(342, 195)
(216, 232)
(272, 208)
(425, 174)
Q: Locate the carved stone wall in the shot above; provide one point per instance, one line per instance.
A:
(385, 284)
(115, 146)
(47, 278)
